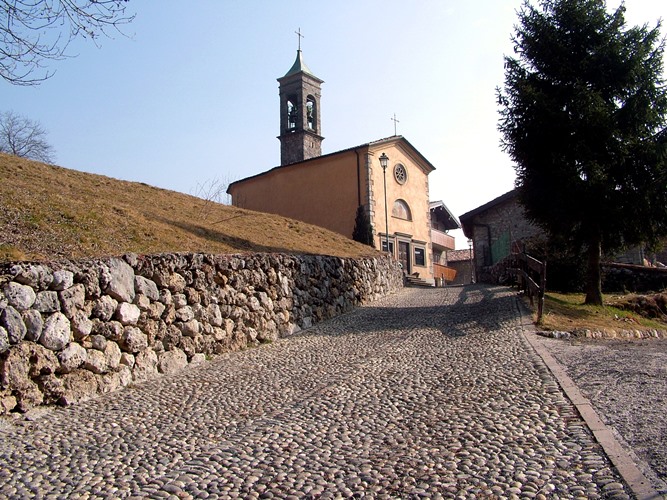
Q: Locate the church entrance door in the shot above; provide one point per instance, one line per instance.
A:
(404, 256)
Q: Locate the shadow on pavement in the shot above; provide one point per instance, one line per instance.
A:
(462, 310)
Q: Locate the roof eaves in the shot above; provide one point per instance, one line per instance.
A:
(496, 201)
(399, 138)
(455, 223)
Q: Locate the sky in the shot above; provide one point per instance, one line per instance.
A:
(188, 97)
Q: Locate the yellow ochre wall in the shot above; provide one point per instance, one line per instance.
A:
(320, 191)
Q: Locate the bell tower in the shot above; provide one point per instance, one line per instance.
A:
(300, 125)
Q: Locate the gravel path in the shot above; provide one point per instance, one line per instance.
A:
(428, 393)
(626, 382)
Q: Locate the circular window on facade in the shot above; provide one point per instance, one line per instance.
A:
(400, 174)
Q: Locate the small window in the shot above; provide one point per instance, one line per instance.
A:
(401, 210)
(420, 256)
(384, 245)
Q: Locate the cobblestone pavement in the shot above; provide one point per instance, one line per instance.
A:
(427, 393)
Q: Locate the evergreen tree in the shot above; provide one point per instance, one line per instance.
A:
(583, 114)
(363, 232)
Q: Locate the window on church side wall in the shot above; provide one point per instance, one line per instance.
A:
(401, 210)
(310, 112)
(291, 114)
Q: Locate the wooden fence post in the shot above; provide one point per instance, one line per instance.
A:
(543, 288)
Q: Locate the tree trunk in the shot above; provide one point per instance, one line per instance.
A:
(593, 275)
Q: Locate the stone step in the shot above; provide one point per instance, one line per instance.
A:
(417, 282)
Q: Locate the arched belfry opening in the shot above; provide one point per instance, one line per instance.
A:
(292, 111)
(311, 113)
(300, 125)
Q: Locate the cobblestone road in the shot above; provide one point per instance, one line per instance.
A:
(427, 393)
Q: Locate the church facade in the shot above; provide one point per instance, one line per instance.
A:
(326, 190)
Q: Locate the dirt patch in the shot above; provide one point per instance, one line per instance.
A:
(649, 306)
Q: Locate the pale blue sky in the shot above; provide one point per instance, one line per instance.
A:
(191, 95)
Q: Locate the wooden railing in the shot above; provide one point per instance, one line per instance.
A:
(529, 272)
(440, 271)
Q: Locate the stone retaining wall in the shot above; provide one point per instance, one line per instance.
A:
(71, 330)
(630, 278)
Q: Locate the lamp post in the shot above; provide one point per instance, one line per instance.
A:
(384, 159)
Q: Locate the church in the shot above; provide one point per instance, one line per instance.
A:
(387, 177)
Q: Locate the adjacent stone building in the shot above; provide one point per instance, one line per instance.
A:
(326, 190)
(494, 227)
(461, 262)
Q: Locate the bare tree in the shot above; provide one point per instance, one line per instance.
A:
(23, 137)
(214, 192)
(34, 31)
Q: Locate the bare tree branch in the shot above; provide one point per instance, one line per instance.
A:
(35, 31)
(213, 191)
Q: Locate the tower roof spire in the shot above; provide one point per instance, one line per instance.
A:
(299, 66)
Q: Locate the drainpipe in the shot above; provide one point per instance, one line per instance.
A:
(358, 179)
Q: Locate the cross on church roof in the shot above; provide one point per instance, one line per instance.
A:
(298, 33)
(395, 122)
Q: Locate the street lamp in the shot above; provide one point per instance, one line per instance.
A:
(384, 159)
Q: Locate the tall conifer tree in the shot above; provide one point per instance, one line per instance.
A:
(583, 116)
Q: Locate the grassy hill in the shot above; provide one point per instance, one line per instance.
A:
(49, 213)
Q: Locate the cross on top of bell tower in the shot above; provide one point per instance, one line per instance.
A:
(298, 33)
